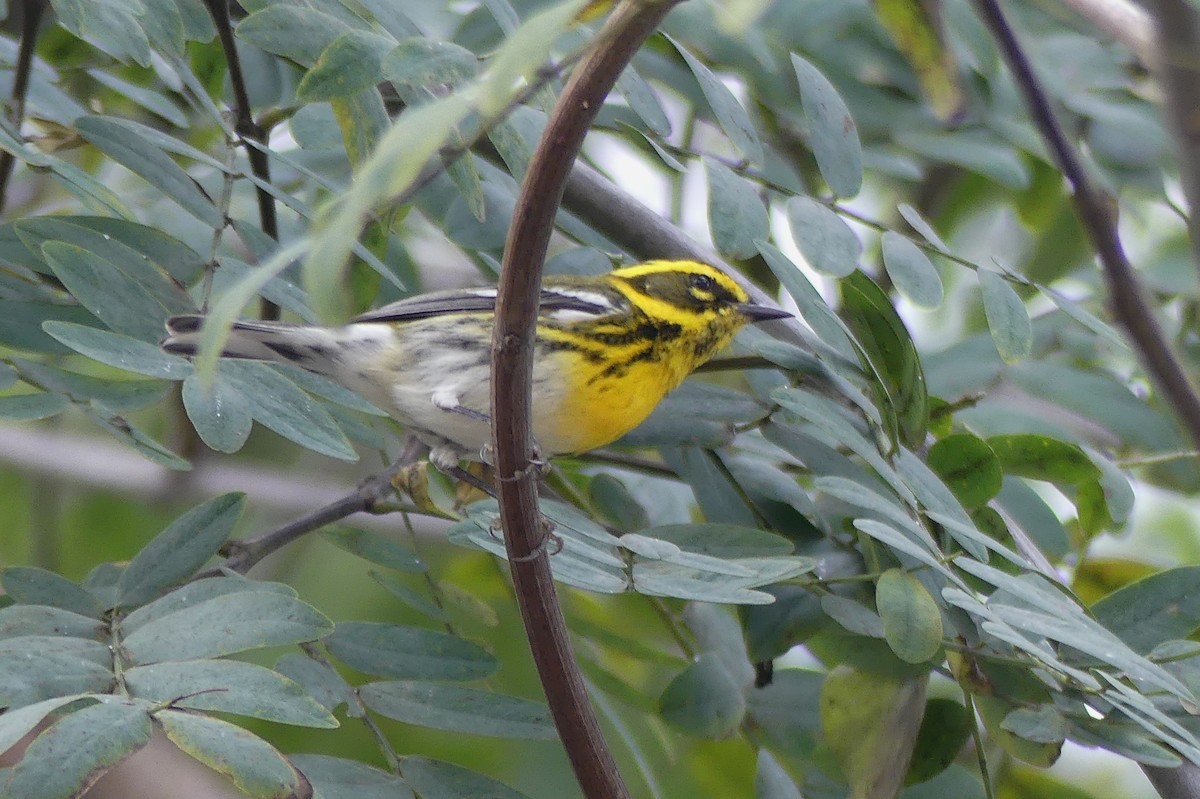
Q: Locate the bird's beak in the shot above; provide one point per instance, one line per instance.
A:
(760, 313)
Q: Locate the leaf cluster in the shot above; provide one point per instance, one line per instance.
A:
(905, 488)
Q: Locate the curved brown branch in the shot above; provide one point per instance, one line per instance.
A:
(248, 128)
(512, 364)
(1128, 301)
(32, 11)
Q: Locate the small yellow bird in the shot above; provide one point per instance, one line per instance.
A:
(608, 349)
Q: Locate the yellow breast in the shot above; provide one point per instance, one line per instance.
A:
(597, 407)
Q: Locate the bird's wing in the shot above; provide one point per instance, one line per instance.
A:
(552, 299)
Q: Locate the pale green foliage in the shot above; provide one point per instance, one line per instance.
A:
(876, 493)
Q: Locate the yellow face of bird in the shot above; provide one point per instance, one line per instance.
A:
(704, 302)
(619, 366)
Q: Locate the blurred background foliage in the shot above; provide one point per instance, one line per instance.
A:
(957, 569)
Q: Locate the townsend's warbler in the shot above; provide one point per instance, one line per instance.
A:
(608, 349)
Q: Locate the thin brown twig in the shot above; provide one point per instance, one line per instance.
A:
(247, 128)
(525, 534)
(1125, 294)
(32, 17)
(245, 554)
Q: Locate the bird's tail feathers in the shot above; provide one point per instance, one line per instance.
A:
(307, 347)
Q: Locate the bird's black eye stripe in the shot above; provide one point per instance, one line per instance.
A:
(702, 282)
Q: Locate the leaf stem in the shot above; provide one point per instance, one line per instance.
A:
(31, 19)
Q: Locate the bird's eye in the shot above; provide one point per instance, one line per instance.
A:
(702, 282)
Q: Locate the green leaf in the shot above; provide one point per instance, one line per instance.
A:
(1025, 506)
(913, 217)
(589, 558)
(945, 727)
(993, 710)
(340, 778)
(409, 653)
(660, 578)
(1092, 508)
(917, 31)
(16, 723)
(33, 586)
(978, 151)
(870, 722)
(716, 494)
(889, 351)
(852, 616)
(281, 405)
(16, 620)
(142, 157)
(434, 779)
(375, 548)
(1086, 318)
(225, 625)
(643, 101)
(736, 214)
(100, 286)
(255, 766)
(1007, 318)
(178, 551)
(219, 412)
(21, 324)
(832, 133)
(292, 31)
(110, 25)
(911, 271)
(38, 667)
(70, 756)
(835, 430)
(771, 781)
(912, 623)
(151, 259)
(152, 101)
(614, 502)
(106, 395)
(459, 709)
(1154, 609)
(722, 540)
(819, 316)
(132, 435)
(427, 63)
(730, 115)
(1044, 725)
(827, 243)
(120, 351)
(1125, 740)
(1090, 638)
(704, 699)
(414, 599)
(1043, 458)
(351, 63)
(774, 629)
(30, 407)
(968, 466)
(227, 686)
(319, 680)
